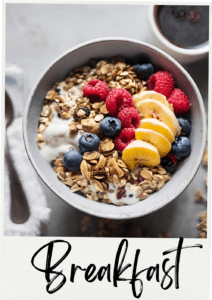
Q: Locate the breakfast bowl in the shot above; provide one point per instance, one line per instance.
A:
(133, 51)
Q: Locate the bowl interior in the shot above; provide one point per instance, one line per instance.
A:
(134, 51)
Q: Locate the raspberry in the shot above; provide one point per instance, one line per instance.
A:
(96, 90)
(129, 117)
(180, 101)
(117, 100)
(161, 82)
(126, 136)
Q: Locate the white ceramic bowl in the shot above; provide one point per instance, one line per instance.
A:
(183, 56)
(103, 49)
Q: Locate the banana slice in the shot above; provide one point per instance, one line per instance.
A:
(155, 109)
(158, 126)
(150, 95)
(154, 138)
(140, 153)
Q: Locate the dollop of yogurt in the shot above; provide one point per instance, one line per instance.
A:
(130, 197)
(58, 139)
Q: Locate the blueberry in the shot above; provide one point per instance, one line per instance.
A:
(86, 110)
(168, 164)
(144, 71)
(89, 142)
(181, 146)
(185, 124)
(72, 160)
(110, 126)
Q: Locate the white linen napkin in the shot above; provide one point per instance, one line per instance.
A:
(16, 86)
(39, 212)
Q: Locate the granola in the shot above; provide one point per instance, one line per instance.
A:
(67, 115)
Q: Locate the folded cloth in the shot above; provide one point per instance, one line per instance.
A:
(39, 212)
(17, 87)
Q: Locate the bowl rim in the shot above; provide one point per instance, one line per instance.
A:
(94, 211)
(183, 51)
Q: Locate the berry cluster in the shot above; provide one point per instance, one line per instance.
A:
(120, 105)
(163, 82)
(87, 143)
(124, 117)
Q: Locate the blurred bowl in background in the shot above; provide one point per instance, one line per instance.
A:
(182, 55)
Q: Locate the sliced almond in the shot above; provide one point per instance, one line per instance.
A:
(65, 115)
(97, 105)
(75, 188)
(161, 184)
(162, 171)
(50, 95)
(58, 162)
(118, 171)
(91, 155)
(121, 164)
(102, 162)
(41, 145)
(99, 117)
(45, 111)
(105, 69)
(146, 174)
(115, 179)
(98, 185)
(73, 129)
(104, 110)
(95, 129)
(93, 162)
(43, 119)
(108, 146)
(116, 155)
(105, 186)
(124, 73)
(144, 184)
(41, 128)
(99, 177)
(61, 175)
(84, 168)
(158, 177)
(69, 182)
(40, 138)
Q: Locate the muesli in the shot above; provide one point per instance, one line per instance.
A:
(115, 131)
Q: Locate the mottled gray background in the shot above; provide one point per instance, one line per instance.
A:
(35, 35)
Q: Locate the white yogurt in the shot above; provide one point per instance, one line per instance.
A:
(130, 190)
(58, 141)
(57, 138)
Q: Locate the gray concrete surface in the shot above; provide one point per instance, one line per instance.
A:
(35, 35)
